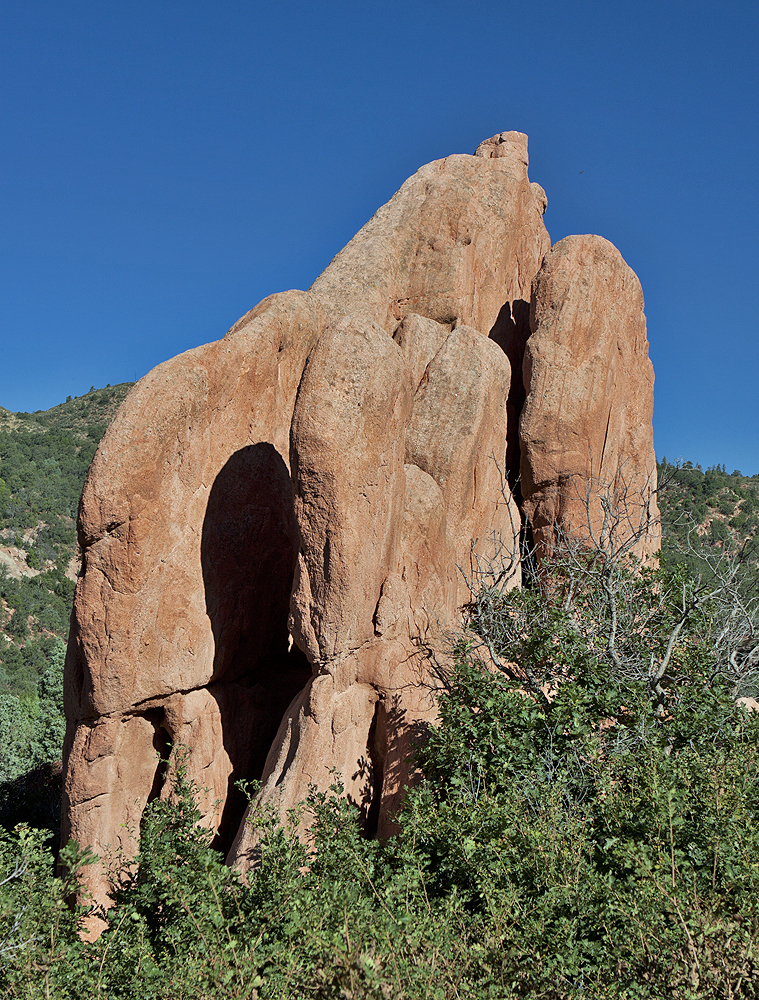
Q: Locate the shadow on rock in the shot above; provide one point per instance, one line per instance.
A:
(249, 548)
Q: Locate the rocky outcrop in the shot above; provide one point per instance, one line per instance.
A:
(587, 454)
(278, 528)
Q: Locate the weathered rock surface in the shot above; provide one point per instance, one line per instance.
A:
(587, 438)
(461, 238)
(277, 527)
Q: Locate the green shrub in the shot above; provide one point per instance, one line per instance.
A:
(585, 824)
(603, 851)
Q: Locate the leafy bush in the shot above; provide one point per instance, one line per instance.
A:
(580, 828)
(605, 851)
(585, 823)
(33, 726)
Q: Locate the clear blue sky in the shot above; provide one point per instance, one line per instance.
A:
(165, 165)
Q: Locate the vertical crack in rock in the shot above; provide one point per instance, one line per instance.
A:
(510, 331)
(162, 749)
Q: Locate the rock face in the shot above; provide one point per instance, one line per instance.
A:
(587, 448)
(278, 527)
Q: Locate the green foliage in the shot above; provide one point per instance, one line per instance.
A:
(32, 724)
(605, 851)
(44, 458)
(41, 954)
(46, 598)
(585, 823)
(591, 839)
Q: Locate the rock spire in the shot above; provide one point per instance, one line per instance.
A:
(278, 527)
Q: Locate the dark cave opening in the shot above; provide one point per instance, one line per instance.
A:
(249, 548)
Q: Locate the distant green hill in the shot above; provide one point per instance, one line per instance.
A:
(711, 509)
(44, 457)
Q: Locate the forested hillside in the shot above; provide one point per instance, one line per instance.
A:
(724, 505)
(708, 511)
(44, 457)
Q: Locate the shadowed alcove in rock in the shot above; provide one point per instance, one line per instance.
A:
(511, 331)
(249, 548)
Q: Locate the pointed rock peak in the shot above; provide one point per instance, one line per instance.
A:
(511, 145)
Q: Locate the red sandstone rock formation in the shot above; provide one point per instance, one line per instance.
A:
(587, 439)
(276, 525)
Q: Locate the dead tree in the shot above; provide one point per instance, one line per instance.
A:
(636, 620)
